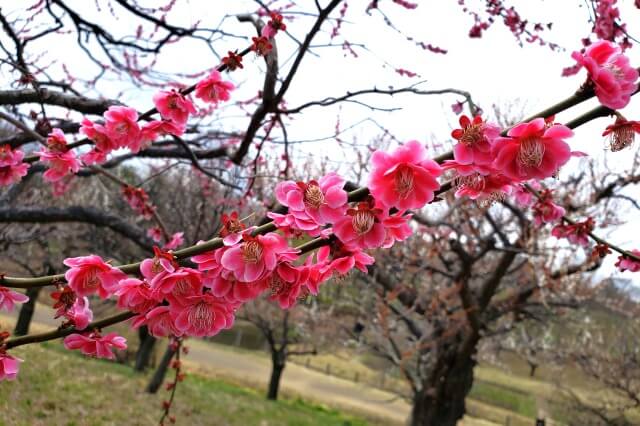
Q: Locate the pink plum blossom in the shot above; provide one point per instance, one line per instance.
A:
(176, 241)
(397, 228)
(362, 227)
(98, 134)
(159, 322)
(478, 182)
(404, 179)
(545, 210)
(153, 129)
(9, 366)
(202, 315)
(337, 259)
(626, 263)
(177, 285)
(173, 106)
(315, 203)
(287, 284)
(226, 286)
(80, 314)
(12, 169)
(576, 233)
(94, 345)
(61, 160)
(533, 150)
(274, 25)
(8, 298)
(474, 141)
(90, 274)
(614, 79)
(135, 295)
(255, 257)
(155, 233)
(121, 124)
(213, 89)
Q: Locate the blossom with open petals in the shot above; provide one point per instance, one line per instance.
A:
(121, 124)
(622, 133)
(213, 89)
(362, 226)
(173, 105)
(95, 345)
(533, 150)
(405, 178)
(626, 263)
(203, 315)
(256, 256)
(8, 298)
(9, 366)
(613, 77)
(12, 169)
(545, 210)
(576, 233)
(90, 274)
(61, 160)
(474, 141)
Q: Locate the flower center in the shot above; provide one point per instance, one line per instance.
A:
(251, 252)
(182, 287)
(472, 134)
(615, 70)
(213, 92)
(475, 181)
(122, 128)
(621, 138)
(313, 196)
(277, 285)
(91, 279)
(404, 181)
(363, 221)
(201, 317)
(531, 152)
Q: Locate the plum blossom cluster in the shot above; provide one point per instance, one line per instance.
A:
(12, 168)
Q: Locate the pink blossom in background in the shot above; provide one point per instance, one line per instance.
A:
(202, 315)
(155, 233)
(361, 227)
(9, 366)
(176, 241)
(474, 141)
(533, 150)
(340, 259)
(522, 195)
(173, 106)
(545, 210)
(95, 345)
(159, 322)
(135, 295)
(213, 89)
(274, 25)
(613, 77)
(8, 298)
(255, 257)
(405, 178)
(138, 200)
(90, 274)
(80, 314)
(121, 124)
(12, 169)
(58, 157)
(625, 263)
(577, 233)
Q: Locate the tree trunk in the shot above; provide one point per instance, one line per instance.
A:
(442, 402)
(278, 362)
(532, 369)
(161, 371)
(143, 355)
(26, 312)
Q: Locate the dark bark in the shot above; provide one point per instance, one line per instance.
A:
(26, 312)
(278, 362)
(145, 350)
(161, 371)
(532, 369)
(442, 401)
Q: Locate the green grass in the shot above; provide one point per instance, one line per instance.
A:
(59, 388)
(503, 397)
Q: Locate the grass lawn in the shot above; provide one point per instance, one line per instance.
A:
(60, 388)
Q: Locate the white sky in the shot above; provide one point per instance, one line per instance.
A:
(494, 69)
